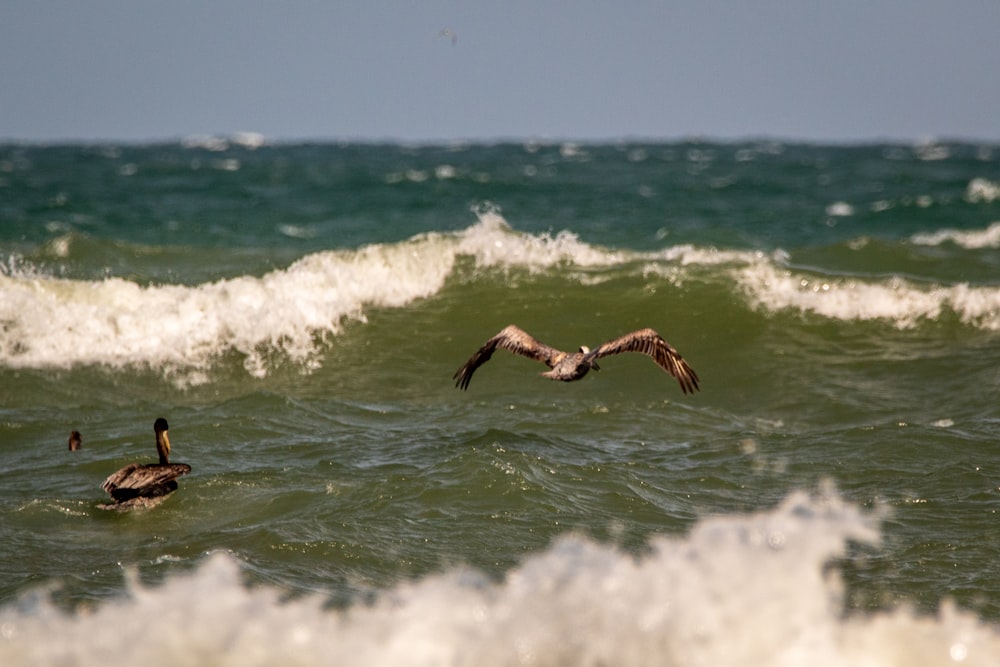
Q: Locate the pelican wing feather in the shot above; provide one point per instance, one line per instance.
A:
(513, 339)
(652, 344)
(137, 479)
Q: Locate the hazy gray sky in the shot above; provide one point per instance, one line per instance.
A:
(567, 69)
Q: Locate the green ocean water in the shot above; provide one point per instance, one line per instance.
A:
(297, 312)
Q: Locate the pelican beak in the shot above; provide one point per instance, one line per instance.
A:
(163, 446)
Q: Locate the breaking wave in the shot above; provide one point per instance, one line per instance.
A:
(738, 590)
(971, 240)
(61, 323)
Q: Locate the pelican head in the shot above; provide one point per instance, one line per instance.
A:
(162, 440)
(584, 350)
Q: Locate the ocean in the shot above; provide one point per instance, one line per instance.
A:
(297, 313)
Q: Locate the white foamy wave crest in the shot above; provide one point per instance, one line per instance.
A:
(982, 190)
(972, 240)
(50, 322)
(493, 243)
(739, 590)
(897, 300)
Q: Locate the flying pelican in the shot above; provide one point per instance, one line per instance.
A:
(568, 367)
(146, 484)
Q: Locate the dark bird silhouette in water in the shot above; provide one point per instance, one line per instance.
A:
(75, 441)
(567, 367)
(140, 485)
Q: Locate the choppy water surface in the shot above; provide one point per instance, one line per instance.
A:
(297, 312)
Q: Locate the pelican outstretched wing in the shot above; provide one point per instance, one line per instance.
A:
(652, 344)
(513, 339)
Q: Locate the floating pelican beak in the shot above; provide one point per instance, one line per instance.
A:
(163, 445)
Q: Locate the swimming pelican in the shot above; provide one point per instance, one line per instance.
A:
(568, 367)
(146, 485)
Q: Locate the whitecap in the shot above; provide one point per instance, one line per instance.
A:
(230, 164)
(969, 239)
(61, 323)
(294, 313)
(637, 155)
(51, 322)
(930, 150)
(209, 142)
(493, 243)
(249, 140)
(444, 172)
(753, 589)
(297, 231)
(980, 190)
(896, 300)
(572, 150)
(840, 209)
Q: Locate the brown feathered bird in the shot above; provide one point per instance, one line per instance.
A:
(567, 367)
(146, 484)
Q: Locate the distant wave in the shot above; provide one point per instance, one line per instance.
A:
(969, 239)
(981, 190)
(54, 322)
(738, 590)
(895, 300)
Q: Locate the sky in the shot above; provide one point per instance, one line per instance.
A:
(381, 70)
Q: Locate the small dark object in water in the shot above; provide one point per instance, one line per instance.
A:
(75, 441)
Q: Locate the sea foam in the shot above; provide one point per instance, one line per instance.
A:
(180, 330)
(970, 239)
(751, 589)
(901, 302)
(54, 322)
(981, 190)
(116, 322)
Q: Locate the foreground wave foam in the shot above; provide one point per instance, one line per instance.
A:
(738, 590)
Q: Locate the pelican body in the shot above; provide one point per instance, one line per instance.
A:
(146, 484)
(571, 366)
